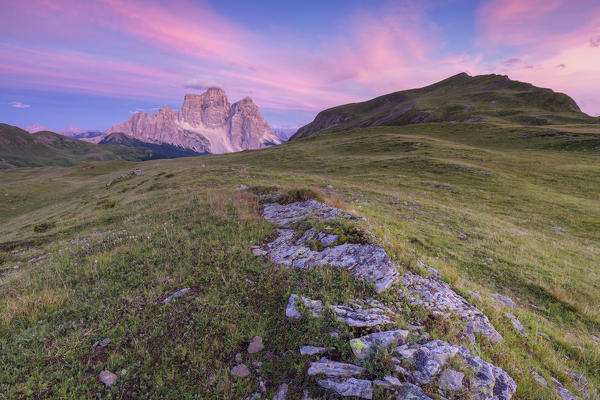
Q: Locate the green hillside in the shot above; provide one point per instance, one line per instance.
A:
(495, 209)
(18, 148)
(460, 98)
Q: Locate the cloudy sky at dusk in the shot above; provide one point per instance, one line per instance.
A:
(92, 63)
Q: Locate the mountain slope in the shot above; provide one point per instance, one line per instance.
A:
(206, 123)
(460, 98)
(18, 148)
(163, 150)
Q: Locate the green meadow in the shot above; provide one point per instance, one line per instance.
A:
(496, 208)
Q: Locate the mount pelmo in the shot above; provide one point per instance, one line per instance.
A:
(206, 123)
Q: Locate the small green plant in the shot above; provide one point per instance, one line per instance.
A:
(346, 230)
(294, 195)
(3, 257)
(107, 203)
(43, 226)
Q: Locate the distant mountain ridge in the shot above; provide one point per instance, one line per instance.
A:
(206, 123)
(460, 98)
(18, 148)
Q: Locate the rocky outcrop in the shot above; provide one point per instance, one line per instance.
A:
(206, 123)
(368, 262)
(419, 364)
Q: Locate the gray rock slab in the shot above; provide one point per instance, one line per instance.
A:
(312, 350)
(333, 368)
(362, 314)
(314, 307)
(438, 296)
(178, 293)
(363, 346)
(349, 387)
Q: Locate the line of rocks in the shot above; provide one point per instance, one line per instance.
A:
(415, 364)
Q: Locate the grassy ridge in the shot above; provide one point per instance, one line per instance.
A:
(18, 148)
(460, 98)
(506, 209)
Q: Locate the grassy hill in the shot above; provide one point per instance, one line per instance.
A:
(460, 98)
(18, 148)
(495, 208)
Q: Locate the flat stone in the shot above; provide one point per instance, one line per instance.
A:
(580, 379)
(364, 314)
(438, 296)
(516, 324)
(562, 391)
(450, 380)
(240, 370)
(349, 387)
(241, 187)
(315, 307)
(312, 350)
(367, 262)
(389, 382)
(409, 391)
(285, 215)
(176, 294)
(363, 346)
(539, 379)
(256, 345)
(257, 252)
(101, 344)
(107, 378)
(507, 301)
(333, 368)
(474, 295)
(281, 392)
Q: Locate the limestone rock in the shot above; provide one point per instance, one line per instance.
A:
(176, 294)
(562, 391)
(506, 301)
(312, 350)
(438, 296)
(389, 382)
(315, 307)
(425, 362)
(333, 368)
(349, 387)
(255, 345)
(539, 379)
(411, 392)
(363, 314)
(101, 344)
(108, 378)
(450, 380)
(363, 346)
(516, 324)
(281, 393)
(240, 370)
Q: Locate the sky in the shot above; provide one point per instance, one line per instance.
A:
(91, 64)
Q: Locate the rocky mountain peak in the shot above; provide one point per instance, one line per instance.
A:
(206, 123)
(209, 109)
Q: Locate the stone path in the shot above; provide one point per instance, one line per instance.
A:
(415, 363)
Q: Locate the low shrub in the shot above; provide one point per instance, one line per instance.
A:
(294, 195)
(43, 226)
